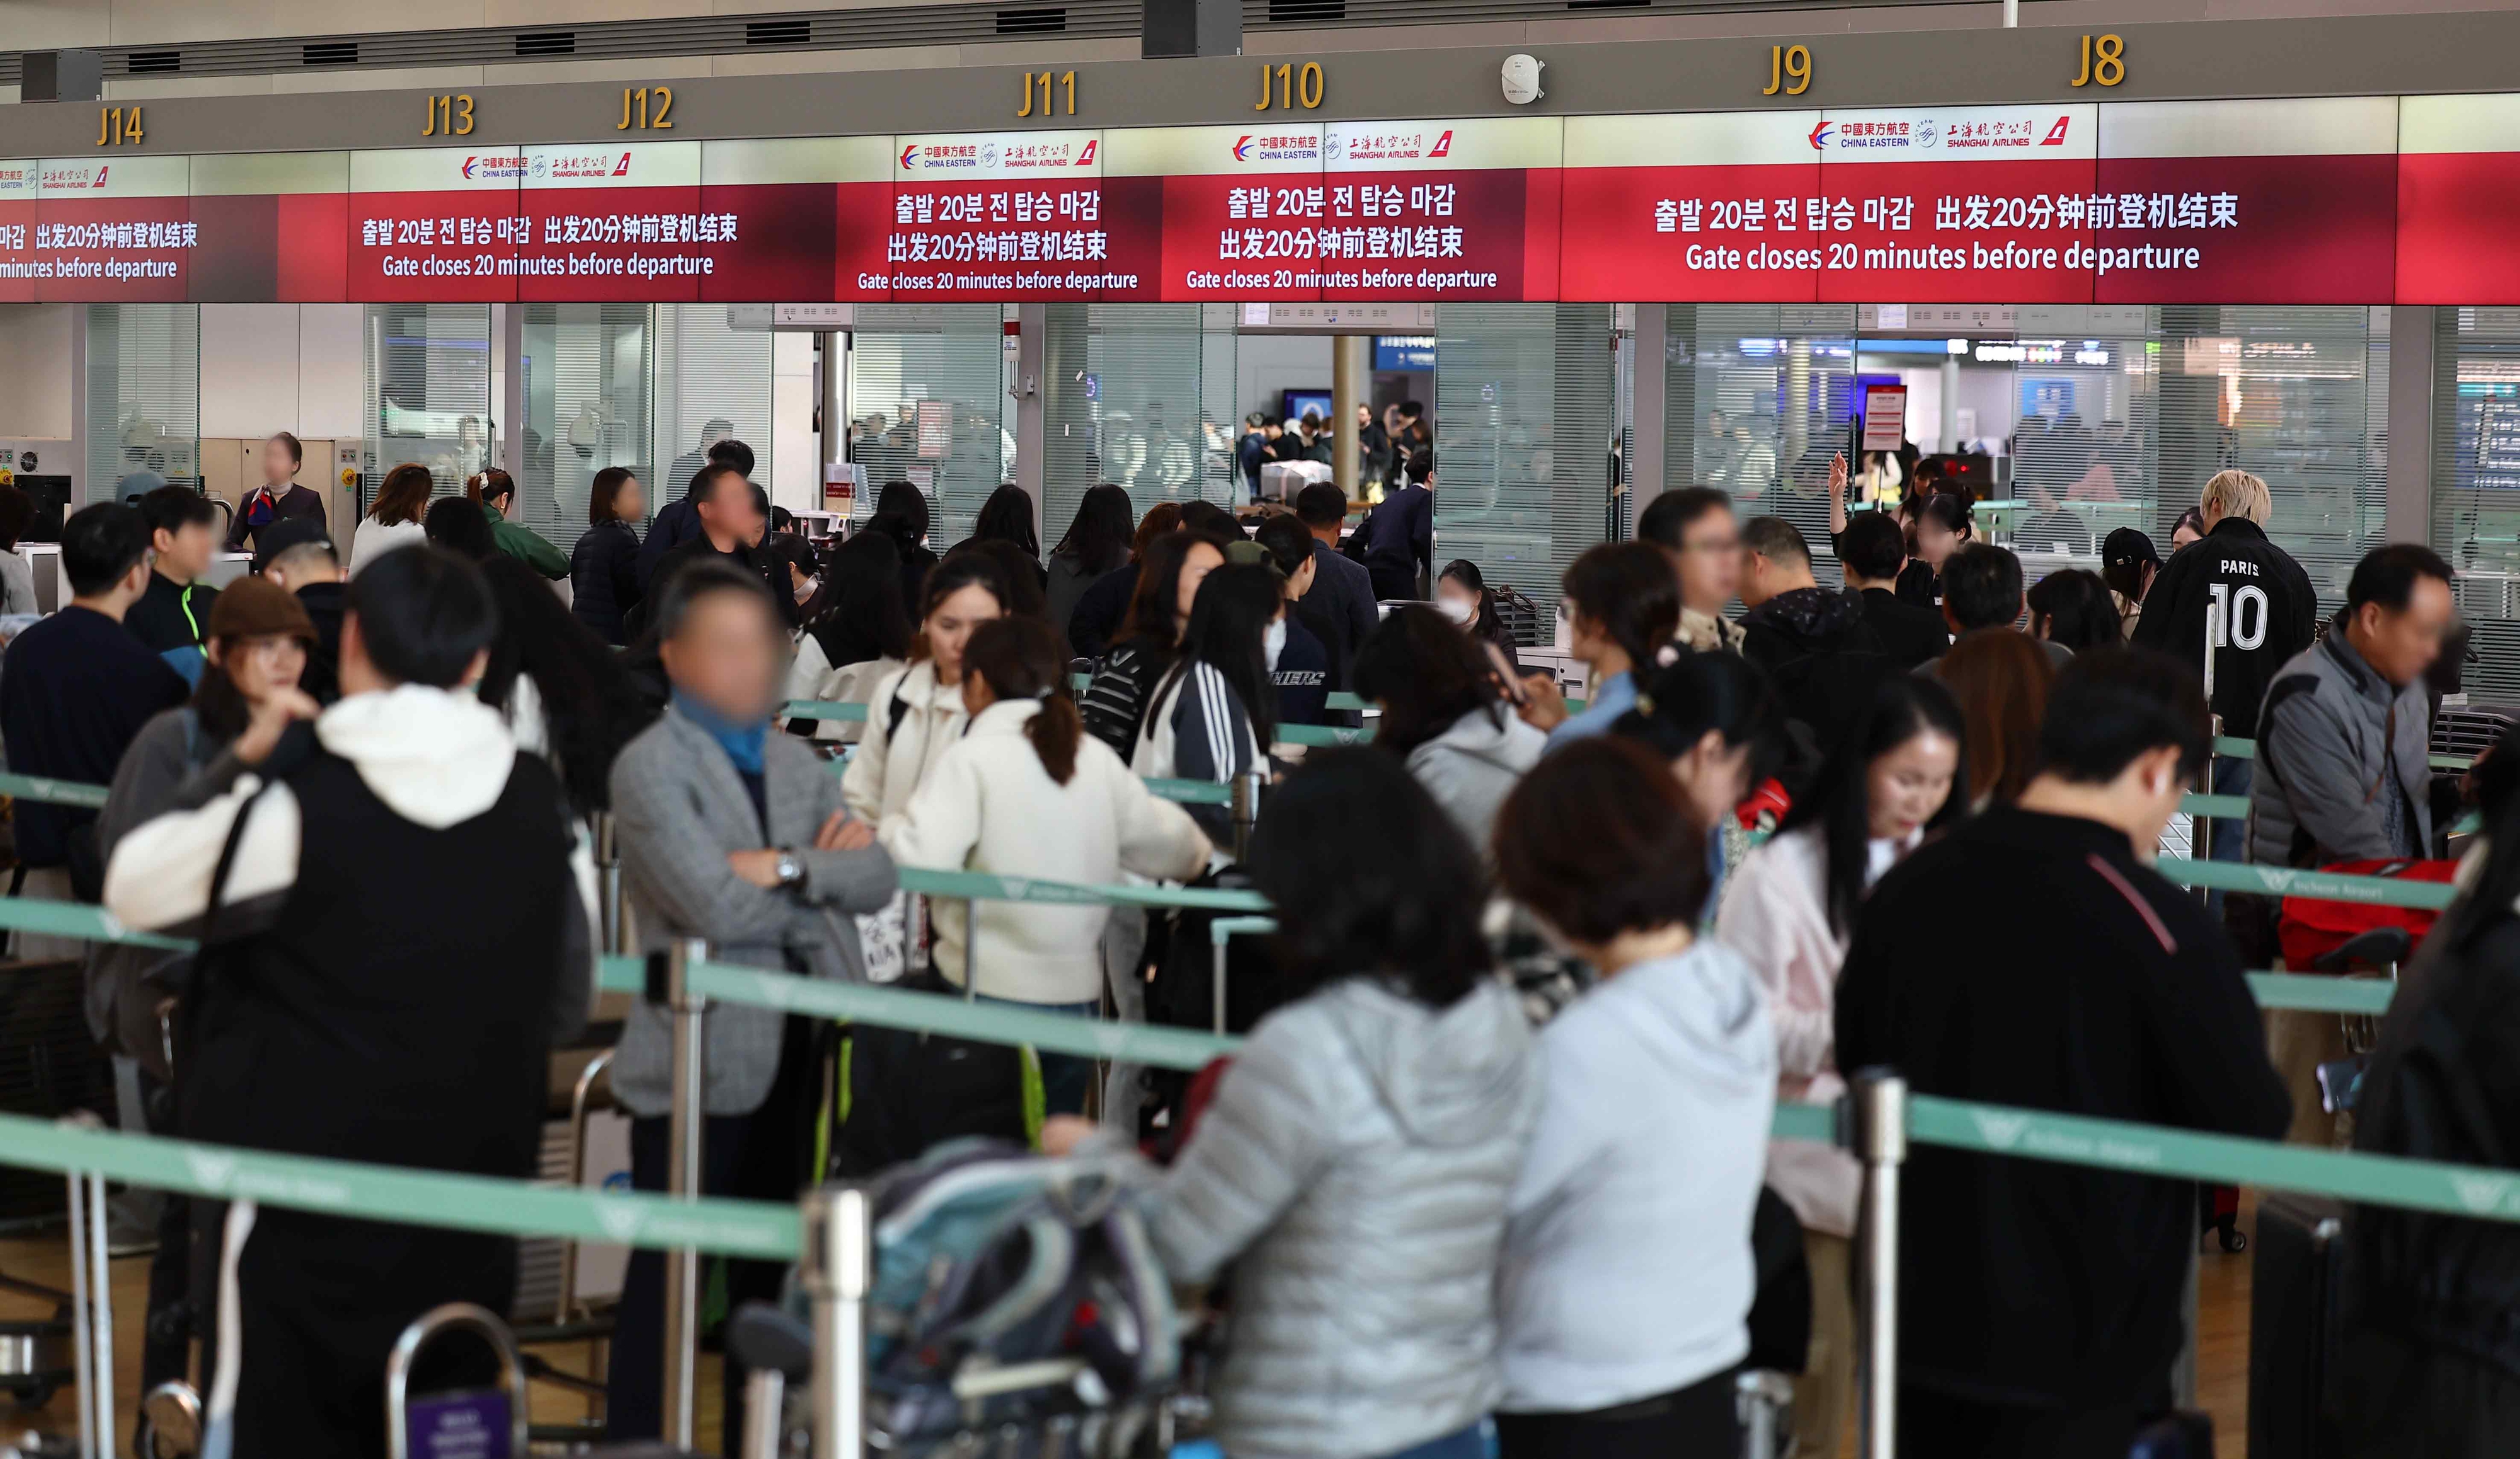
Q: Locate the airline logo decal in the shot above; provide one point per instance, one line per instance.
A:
(501, 166)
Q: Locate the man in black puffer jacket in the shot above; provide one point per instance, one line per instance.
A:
(1817, 643)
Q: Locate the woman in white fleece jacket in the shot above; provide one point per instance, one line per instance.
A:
(1026, 792)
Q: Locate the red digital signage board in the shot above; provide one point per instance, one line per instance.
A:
(2339, 200)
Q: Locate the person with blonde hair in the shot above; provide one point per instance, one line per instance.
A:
(2237, 609)
(2236, 493)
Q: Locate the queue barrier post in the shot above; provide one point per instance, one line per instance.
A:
(92, 1302)
(1246, 809)
(607, 872)
(81, 1351)
(765, 1395)
(2201, 829)
(1880, 1133)
(837, 1271)
(685, 1124)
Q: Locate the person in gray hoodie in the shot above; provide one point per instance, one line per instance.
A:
(1627, 1281)
(1442, 716)
(1355, 1164)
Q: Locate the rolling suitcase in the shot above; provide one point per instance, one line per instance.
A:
(2293, 1320)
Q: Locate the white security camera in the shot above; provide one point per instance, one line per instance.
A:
(1521, 78)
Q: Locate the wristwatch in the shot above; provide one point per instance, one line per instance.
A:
(790, 870)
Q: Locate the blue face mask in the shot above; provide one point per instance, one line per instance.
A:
(742, 742)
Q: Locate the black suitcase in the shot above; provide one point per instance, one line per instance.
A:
(2294, 1295)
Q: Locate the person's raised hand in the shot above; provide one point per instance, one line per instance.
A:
(269, 720)
(842, 832)
(1837, 475)
(1543, 703)
(1060, 1134)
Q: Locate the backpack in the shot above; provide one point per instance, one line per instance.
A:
(902, 1092)
(1181, 992)
(987, 1258)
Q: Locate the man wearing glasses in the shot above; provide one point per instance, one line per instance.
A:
(1695, 530)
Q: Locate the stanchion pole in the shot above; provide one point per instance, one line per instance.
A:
(80, 1350)
(100, 1320)
(971, 950)
(837, 1270)
(684, 1123)
(1246, 809)
(1881, 1144)
(2201, 829)
(607, 872)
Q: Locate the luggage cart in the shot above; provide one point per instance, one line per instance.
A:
(549, 1303)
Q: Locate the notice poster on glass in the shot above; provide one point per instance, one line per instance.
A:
(1885, 417)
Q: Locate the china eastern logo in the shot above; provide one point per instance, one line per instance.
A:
(1820, 136)
(910, 156)
(1277, 147)
(481, 166)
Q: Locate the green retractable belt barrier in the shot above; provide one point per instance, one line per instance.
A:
(428, 1198)
(2215, 807)
(53, 792)
(824, 709)
(2224, 1159)
(756, 1229)
(2287, 881)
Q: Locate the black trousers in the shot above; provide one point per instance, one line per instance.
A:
(1938, 1426)
(762, 1156)
(1697, 1420)
(321, 1303)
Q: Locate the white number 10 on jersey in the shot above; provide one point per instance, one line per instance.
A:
(2236, 620)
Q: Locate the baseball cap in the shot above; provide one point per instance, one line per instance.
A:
(288, 533)
(2128, 546)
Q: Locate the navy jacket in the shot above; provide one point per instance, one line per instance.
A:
(603, 578)
(1400, 534)
(75, 690)
(1302, 675)
(674, 524)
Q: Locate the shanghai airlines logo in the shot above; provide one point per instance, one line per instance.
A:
(1243, 149)
(623, 169)
(1085, 158)
(2480, 1193)
(1443, 146)
(910, 156)
(2002, 1131)
(1820, 136)
(2057, 134)
(100, 175)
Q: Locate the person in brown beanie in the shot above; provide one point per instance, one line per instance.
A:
(257, 640)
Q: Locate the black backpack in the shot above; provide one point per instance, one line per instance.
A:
(1180, 993)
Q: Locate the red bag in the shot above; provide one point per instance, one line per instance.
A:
(2314, 925)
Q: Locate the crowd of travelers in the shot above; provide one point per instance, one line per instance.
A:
(1493, 1171)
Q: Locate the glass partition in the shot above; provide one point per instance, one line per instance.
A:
(428, 392)
(586, 375)
(144, 395)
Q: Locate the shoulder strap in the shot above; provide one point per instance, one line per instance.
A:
(896, 709)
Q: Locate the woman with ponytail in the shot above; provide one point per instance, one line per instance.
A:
(495, 491)
(1027, 792)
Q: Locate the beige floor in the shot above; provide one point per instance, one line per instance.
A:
(2222, 1366)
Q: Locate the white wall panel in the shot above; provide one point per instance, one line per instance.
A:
(249, 370)
(35, 369)
(331, 362)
